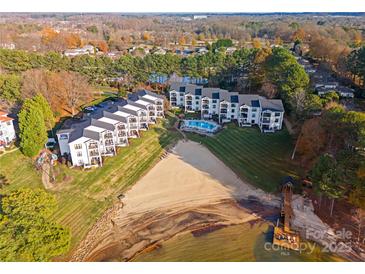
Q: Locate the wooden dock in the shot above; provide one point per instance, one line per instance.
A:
(283, 235)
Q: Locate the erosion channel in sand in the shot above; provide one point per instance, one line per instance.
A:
(189, 190)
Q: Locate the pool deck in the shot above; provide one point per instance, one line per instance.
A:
(198, 130)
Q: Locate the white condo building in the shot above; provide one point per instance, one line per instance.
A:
(98, 135)
(246, 109)
(7, 131)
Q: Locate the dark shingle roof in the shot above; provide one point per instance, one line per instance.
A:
(101, 124)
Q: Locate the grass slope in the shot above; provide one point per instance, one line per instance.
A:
(261, 159)
(84, 195)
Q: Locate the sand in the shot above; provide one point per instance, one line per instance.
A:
(188, 190)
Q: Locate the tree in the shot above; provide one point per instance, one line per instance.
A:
(92, 29)
(9, 87)
(222, 43)
(26, 232)
(146, 36)
(75, 90)
(41, 103)
(327, 177)
(284, 71)
(33, 131)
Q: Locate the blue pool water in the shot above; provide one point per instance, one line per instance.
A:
(203, 125)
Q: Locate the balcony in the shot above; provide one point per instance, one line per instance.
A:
(224, 111)
(159, 103)
(188, 98)
(244, 110)
(133, 120)
(189, 108)
(189, 103)
(109, 142)
(109, 151)
(108, 135)
(95, 161)
(205, 106)
(159, 108)
(143, 119)
(151, 113)
(133, 126)
(92, 146)
(94, 153)
(152, 108)
(205, 112)
(205, 102)
(265, 121)
(122, 134)
(243, 115)
(224, 106)
(121, 127)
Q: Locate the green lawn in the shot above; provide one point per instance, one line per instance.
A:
(261, 159)
(84, 195)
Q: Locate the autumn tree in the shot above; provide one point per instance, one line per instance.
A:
(75, 90)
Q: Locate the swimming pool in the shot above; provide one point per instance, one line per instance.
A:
(201, 125)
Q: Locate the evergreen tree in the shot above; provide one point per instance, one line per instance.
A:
(26, 232)
(42, 104)
(33, 131)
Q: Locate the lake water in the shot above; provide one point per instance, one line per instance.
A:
(238, 243)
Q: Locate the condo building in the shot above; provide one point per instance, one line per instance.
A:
(246, 109)
(99, 133)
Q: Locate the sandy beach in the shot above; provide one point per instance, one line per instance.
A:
(189, 190)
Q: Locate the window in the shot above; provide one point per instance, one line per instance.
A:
(253, 115)
(78, 146)
(254, 109)
(277, 114)
(232, 110)
(197, 97)
(197, 103)
(233, 105)
(79, 154)
(214, 106)
(276, 120)
(252, 121)
(214, 101)
(8, 123)
(80, 162)
(232, 116)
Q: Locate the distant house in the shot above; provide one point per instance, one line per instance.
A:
(7, 131)
(7, 45)
(200, 17)
(109, 126)
(246, 109)
(86, 50)
(230, 50)
(345, 92)
(160, 51)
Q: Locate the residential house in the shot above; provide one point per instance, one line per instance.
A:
(246, 109)
(7, 131)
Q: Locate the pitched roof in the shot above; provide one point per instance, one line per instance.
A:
(272, 104)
